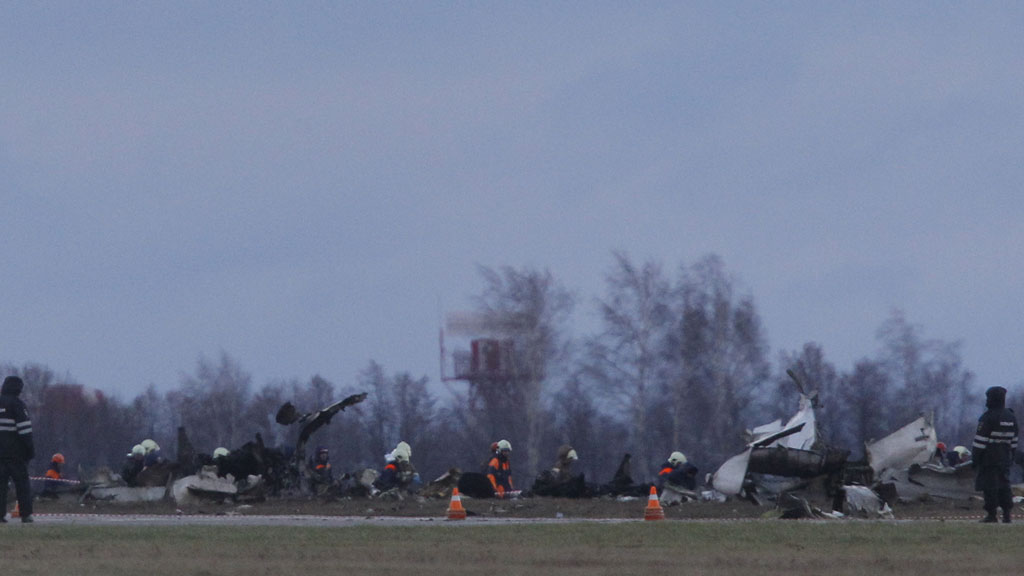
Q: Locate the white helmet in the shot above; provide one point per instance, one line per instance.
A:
(677, 458)
(150, 445)
(138, 450)
(221, 452)
(402, 452)
(572, 455)
(504, 445)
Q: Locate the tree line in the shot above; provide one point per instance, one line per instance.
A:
(679, 361)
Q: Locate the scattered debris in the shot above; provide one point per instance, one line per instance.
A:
(863, 501)
(311, 422)
(205, 485)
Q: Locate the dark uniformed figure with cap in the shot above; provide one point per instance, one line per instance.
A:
(994, 447)
(16, 447)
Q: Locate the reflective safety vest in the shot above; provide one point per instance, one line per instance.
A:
(499, 472)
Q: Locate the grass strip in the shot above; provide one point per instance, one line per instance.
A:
(762, 548)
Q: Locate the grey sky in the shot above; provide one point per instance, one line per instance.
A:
(307, 186)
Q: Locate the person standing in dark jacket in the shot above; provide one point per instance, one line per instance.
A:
(16, 447)
(995, 445)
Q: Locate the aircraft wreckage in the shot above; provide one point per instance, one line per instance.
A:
(247, 473)
(783, 462)
(784, 459)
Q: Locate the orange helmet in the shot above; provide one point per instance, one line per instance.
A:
(58, 458)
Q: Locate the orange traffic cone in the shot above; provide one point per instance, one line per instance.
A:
(455, 509)
(654, 510)
(15, 513)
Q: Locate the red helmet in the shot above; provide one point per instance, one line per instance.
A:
(58, 458)
(940, 446)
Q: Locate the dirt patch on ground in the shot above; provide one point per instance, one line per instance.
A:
(536, 507)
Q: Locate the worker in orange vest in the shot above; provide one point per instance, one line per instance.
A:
(499, 469)
(54, 472)
(321, 476)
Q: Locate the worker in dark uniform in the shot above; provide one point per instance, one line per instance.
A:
(153, 455)
(320, 475)
(398, 471)
(561, 472)
(677, 471)
(559, 481)
(133, 464)
(995, 445)
(16, 447)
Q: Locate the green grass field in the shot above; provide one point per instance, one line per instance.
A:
(641, 548)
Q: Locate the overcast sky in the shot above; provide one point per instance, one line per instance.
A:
(308, 186)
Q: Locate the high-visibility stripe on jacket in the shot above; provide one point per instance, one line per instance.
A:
(499, 472)
(15, 429)
(996, 439)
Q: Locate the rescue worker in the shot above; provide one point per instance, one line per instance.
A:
(561, 472)
(398, 471)
(153, 456)
(995, 444)
(959, 456)
(53, 473)
(221, 460)
(321, 475)
(677, 471)
(16, 447)
(499, 469)
(940, 454)
(558, 481)
(133, 464)
(388, 478)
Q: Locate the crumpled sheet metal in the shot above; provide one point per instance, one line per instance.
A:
(911, 444)
(798, 433)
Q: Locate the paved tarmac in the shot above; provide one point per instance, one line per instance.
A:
(281, 520)
(302, 520)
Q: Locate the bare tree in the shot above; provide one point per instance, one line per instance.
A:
(401, 408)
(77, 422)
(719, 353)
(902, 357)
(380, 417)
(152, 416)
(213, 402)
(929, 378)
(599, 439)
(260, 413)
(625, 359)
(865, 397)
(417, 421)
